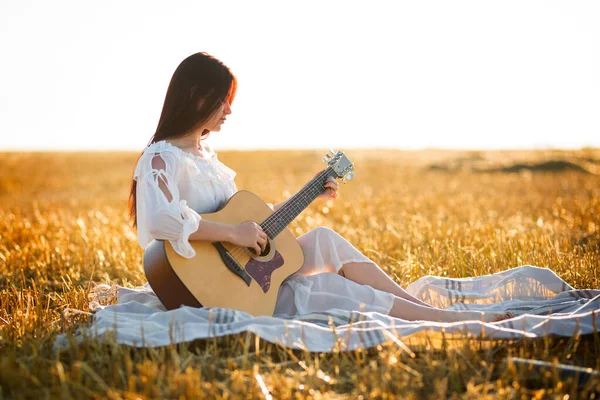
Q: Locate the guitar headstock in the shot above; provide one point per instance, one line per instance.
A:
(340, 164)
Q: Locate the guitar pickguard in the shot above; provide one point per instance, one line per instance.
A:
(261, 271)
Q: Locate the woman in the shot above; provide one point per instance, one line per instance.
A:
(178, 176)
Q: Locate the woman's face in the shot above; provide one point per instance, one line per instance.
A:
(219, 116)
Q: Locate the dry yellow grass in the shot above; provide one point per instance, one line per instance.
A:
(63, 224)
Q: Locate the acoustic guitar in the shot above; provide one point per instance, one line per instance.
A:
(222, 274)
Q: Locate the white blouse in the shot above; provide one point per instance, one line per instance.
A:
(199, 185)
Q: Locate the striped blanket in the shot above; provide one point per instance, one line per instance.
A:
(543, 303)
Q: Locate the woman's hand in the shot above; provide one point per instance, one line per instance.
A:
(331, 189)
(249, 234)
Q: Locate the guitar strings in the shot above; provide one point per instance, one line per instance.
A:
(284, 211)
(289, 210)
(301, 195)
(271, 222)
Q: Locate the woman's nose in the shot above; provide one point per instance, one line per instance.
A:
(227, 108)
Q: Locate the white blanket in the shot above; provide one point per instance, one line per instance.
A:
(543, 303)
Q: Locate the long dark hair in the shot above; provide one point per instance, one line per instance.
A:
(200, 77)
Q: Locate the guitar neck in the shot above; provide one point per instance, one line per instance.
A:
(296, 204)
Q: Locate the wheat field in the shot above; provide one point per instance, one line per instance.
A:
(64, 226)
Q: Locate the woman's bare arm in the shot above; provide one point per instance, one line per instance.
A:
(246, 234)
(213, 231)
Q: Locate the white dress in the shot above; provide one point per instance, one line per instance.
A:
(199, 185)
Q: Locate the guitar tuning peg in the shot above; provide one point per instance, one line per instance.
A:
(332, 152)
(350, 175)
(325, 160)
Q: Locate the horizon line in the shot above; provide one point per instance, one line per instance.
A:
(428, 148)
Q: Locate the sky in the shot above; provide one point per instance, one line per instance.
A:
(312, 74)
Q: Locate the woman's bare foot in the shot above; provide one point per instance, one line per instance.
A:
(498, 316)
(410, 311)
(490, 316)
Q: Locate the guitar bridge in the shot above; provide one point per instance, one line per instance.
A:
(231, 263)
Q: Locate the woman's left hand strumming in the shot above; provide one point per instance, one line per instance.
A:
(331, 189)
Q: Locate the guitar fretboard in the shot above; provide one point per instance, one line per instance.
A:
(296, 204)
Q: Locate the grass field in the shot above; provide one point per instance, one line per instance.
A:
(63, 224)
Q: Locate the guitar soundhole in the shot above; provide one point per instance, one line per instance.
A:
(265, 252)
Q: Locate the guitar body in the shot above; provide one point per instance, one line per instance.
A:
(206, 280)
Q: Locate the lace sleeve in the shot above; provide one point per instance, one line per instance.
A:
(161, 214)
